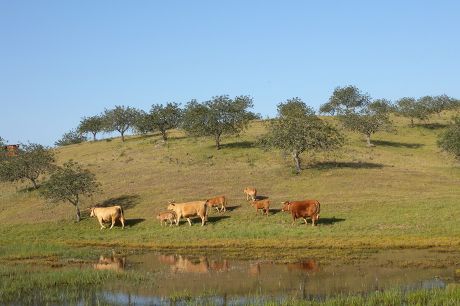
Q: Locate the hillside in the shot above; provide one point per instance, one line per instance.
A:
(402, 192)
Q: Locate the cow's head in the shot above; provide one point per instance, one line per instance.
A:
(92, 212)
(286, 206)
(171, 205)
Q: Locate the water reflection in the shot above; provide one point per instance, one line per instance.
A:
(112, 263)
(182, 264)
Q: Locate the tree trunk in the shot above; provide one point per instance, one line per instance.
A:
(412, 122)
(34, 183)
(78, 213)
(217, 138)
(122, 136)
(94, 136)
(165, 137)
(296, 158)
(368, 140)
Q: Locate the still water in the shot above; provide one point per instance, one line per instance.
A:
(235, 281)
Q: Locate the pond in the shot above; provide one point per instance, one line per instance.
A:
(228, 281)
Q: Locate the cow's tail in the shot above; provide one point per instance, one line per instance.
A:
(122, 213)
(318, 208)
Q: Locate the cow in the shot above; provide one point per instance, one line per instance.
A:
(250, 192)
(261, 204)
(167, 216)
(108, 214)
(303, 209)
(216, 201)
(309, 265)
(189, 209)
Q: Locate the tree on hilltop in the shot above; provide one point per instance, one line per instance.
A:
(121, 119)
(92, 124)
(297, 129)
(217, 117)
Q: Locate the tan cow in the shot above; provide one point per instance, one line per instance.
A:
(250, 192)
(261, 204)
(108, 214)
(216, 201)
(189, 209)
(167, 216)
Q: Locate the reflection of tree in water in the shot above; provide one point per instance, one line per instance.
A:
(112, 263)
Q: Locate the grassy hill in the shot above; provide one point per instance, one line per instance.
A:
(403, 192)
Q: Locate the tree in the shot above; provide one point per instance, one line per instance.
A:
(71, 137)
(440, 103)
(93, 125)
(217, 117)
(120, 119)
(166, 117)
(415, 109)
(449, 141)
(68, 184)
(358, 112)
(297, 129)
(143, 123)
(31, 161)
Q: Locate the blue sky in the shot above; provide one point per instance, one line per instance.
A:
(62, 60)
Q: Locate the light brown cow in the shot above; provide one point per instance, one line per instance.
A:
(167, 216)
(189, 209)
(250, 192)
(261, 204)
(303, 209)
(108, 214)
(216, 201)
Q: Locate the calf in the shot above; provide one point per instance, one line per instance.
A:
(189, 209)
(261, 204)
(303, 209)
(216, 201)
(167, 216)
(108, 214)
(250, 192)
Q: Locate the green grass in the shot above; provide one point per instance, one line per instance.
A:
(403, 193)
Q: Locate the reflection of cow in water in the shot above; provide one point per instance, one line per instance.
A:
(306, 266)
(200, 265)
(112, 263)
(309, 265)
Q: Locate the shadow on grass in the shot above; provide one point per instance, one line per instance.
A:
(397, 144)
(126, 201)
(353, 165)
(133, 222)
(216, 219)
(232, 208)
(237, 145)
(28, 189)
(274, 211)
(431, 126)
(329, 221)
(260, 197)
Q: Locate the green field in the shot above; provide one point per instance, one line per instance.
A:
(404, 192)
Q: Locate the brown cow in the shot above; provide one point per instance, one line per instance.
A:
(250, 192)
(189, 209)
(261, 204)
(216, 201)
(108, 214)
(167, 216)
(303, 209)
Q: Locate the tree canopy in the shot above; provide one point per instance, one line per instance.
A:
(121, 119)
(449, 140)
(165, 117)
(217, 117)
(297, 129)
(71, 137)
(358, 112)
(92, 124)
(68, 184)
(31, 161)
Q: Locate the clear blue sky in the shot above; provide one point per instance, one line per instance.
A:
(61, 60)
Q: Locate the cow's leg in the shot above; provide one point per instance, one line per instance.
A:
(113, 222)
(100, 222)
(122, 220)
(305, 219)
(223, 208)
(313, 221)
(202, 221)
(189, 222)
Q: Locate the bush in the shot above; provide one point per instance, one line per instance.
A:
(449, 141)
(71, 137)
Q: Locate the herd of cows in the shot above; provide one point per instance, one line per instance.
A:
(175, 211)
